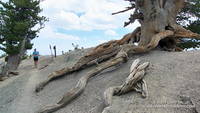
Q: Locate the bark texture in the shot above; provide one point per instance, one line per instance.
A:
(12, 64)
(158, 28)
(14, 60)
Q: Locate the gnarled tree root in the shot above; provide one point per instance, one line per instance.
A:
(78, 89)
(97, 55)
(181, 32)
(133, 82)
(126, 50)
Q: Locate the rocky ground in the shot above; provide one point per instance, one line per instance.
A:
(172, 79)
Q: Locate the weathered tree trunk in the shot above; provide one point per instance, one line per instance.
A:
(14, 60)
(12, 64)
(158, 16)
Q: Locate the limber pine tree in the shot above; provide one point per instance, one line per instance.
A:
(158, 19)
(19, 24)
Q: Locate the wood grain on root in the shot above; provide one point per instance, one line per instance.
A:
(181, 32)
(135, 77)
(144, 89)
(79, 88)
(119, 58)
(100, 54)
(97, 55)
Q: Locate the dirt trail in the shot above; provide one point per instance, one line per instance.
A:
(27, 97)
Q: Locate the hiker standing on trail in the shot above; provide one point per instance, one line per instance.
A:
(35, 57)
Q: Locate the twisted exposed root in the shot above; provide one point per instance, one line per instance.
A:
(82, 63)
(79, 88)
(119, 58)
(131, 49)
(54, 75)
(133, 78)
(132, 83)
(144, 89)
(181, 32)
(137, 73)
(99, 54)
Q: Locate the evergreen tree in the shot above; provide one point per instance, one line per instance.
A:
(190, 19)
(19, 24)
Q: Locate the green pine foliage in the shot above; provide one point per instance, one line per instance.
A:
(189, 17)
(19, 20)
(191, 43)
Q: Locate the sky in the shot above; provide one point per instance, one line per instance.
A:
(83, 22)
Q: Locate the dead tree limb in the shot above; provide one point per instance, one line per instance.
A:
(127, 9)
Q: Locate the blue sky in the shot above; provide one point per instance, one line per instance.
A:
(83, 22)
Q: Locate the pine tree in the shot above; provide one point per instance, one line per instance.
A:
(19, 24)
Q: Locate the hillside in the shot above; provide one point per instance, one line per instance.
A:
(172, 79)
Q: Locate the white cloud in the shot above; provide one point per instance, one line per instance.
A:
(110, 33)
(48, 32)
(84, 14)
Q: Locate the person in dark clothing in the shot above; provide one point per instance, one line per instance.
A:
(35, 57)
